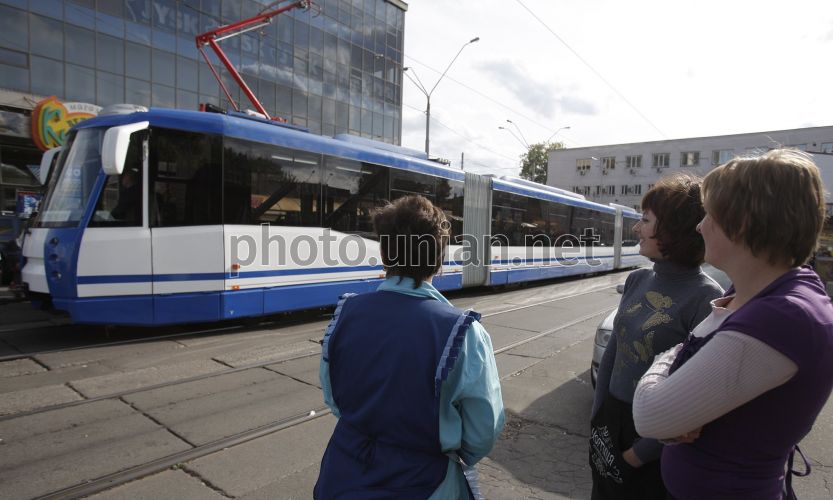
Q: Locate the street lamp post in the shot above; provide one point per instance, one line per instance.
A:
(556, 132)
(526, 143)
(428, 93)
(523, 143)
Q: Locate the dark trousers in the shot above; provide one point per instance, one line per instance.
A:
(612, 432)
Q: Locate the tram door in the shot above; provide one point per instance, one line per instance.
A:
(186, 231)
(114, 259)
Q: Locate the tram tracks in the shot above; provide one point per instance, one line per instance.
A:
(313, 351)
(111, 480)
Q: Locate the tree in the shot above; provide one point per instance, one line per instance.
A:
(534, 161)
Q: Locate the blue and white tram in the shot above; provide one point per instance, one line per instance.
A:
(166, 216)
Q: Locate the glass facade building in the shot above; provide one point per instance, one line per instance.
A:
(336, 68)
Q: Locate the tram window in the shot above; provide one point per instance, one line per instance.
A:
(535, 224)
(120, 202)
(629, 237)
(269, 184)
(450, 201)
(558, 219)
(583, 223)
(606, 226)
(185, 171)
(352, 191)
(508, 213)
(403, 183)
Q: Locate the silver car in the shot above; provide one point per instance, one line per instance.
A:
(605, 328)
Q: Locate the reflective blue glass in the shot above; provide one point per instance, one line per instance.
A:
(137, 33)
(110, 88)
(137, 92)
(81, 16)
(79, 45)
(137, 11)
(164, 40)
(50, 39)
(137, 61)
(14, 29)
(51, 8)
(162, 96)
(15, 78)
(80, 83)
(110, 25)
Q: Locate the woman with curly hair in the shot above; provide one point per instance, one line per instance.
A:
(412, 380)
(659, 306)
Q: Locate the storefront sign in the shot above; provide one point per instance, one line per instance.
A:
(52, 119)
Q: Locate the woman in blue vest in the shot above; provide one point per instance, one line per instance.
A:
(411, 379)
(746, 386)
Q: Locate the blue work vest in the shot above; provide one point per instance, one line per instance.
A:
(388, 355)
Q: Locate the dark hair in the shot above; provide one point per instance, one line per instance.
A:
(676, 203)
(413, 234)
(773, 204)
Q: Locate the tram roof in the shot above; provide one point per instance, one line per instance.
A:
(267, 132)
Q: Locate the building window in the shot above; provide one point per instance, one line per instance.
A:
(583, 165)
(660, 159)
(634, 161)
(826, 147)
(627, 190)
(800, 147)
(608, 190)
(689, 158)
(609, 162)
(721, 156)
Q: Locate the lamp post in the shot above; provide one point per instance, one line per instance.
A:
(556, 132)
(526, 143)
(428, 93)
(523, 143)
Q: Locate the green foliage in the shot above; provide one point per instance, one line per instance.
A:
(534, 161)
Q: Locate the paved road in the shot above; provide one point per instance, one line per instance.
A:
(542, 453)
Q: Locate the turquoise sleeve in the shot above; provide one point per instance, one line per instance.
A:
(326, 388)
(471, 404)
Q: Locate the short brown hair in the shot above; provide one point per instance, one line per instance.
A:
(773, 204)
(413, 234)
(675, 201)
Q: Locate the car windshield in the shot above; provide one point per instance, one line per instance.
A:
(72, 183)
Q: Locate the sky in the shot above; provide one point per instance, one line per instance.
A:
(613, 71)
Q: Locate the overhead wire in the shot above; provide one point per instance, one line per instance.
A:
(594, 70)
(509, 108)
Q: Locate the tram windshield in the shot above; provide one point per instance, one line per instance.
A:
(72, 183)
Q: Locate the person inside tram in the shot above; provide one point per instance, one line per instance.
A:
(658, 308)
(129, 205)
(748, 384)
(411, 379)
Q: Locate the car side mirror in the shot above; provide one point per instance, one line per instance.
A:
(114, 147)
(620, 288)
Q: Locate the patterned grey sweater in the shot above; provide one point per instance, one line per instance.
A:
(659, 307)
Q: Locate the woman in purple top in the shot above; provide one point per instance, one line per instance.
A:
(746, 386)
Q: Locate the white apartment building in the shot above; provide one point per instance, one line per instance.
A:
(622, 173)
